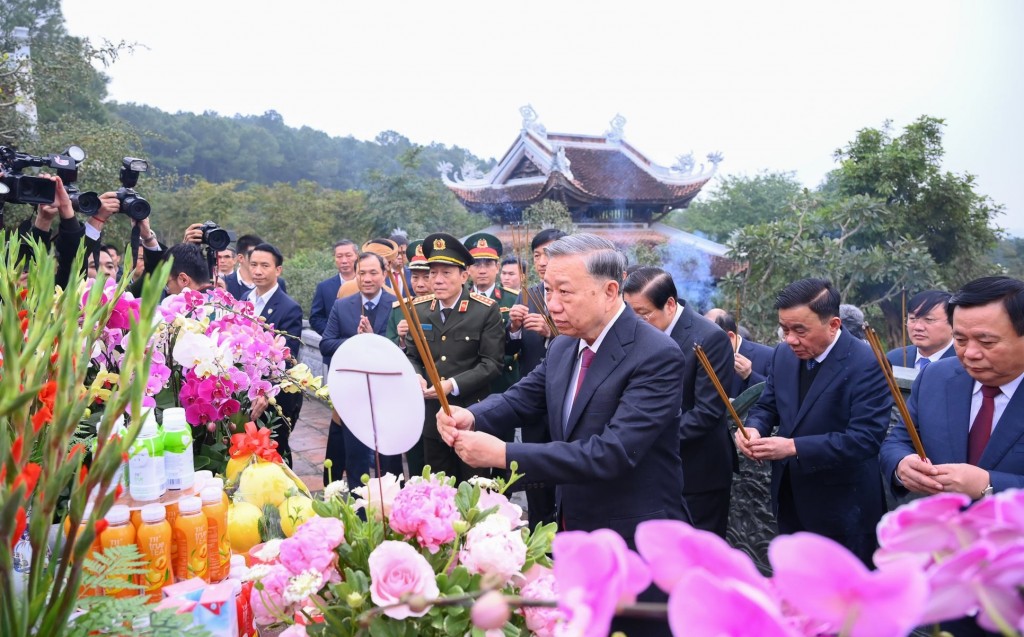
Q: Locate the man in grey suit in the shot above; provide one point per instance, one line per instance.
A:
(970, 415)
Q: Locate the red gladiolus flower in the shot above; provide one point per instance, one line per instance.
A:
(16, 449)
(19, 526)
(101, 526)
(83, 474)
(48, 394)
(118, 492)
(41, 417)
(29, 476)
(76, 448)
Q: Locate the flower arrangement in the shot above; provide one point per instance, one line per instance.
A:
(48, 338)
(216, 359)
(402, 560)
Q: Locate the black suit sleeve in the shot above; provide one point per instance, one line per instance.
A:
(291, 323)
(69, 236)
(708, 407)
(332, 334)
(318, 313)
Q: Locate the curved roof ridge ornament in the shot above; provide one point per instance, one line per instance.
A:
(531, 120)
(617, 126)
(560, 163)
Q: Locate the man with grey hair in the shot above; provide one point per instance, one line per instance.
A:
(609, 392)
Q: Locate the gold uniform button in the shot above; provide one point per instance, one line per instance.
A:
(467, 338)
(444, 358)
(444, 338)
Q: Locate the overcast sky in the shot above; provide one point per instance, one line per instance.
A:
(772, 85)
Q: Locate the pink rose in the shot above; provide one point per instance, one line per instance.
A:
(370, 495)
(493, 547)
(312, 547)
(397, 573)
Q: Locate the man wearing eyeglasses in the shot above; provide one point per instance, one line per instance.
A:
(929, 330)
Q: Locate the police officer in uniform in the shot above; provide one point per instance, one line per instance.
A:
(466, 337)
(486, 251)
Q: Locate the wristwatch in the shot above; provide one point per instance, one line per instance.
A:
(987, 491)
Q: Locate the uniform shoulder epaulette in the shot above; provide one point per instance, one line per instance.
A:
(512, 291)
(397, 303)
(423, 299)
(486, 300)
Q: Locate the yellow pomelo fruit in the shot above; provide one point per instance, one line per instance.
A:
(264, 483)
(294, 511)
(235, 465)
(243, 526)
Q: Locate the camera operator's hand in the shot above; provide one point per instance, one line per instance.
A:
(61, 204)
(109, 206)
(146, 234)
(194, 233)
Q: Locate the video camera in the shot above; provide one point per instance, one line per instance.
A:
(18, 188)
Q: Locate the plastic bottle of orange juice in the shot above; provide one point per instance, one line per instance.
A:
(95, 548)
(154, 540)
(172, 519)
(190, 532)
(120, 532)
(218, 545)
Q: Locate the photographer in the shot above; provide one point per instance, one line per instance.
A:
(189, 269)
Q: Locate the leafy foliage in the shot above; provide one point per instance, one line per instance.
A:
(548, 214)
(737, 202)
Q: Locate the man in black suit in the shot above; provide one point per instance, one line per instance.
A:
(609, 391)
(364, 313)
(240, 282)
(284, 315)
(930, 330)
(831, 407)
(752, 360)
(706, 448)
(529, 328)
(345, 255)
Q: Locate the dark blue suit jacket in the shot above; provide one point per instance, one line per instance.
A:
(616, 461)
(344, 321)
(760, 366)
(323, 301)
(895, 356)
(838, 429)
(285, 315)
(707, 450)
(240, 292)
(940, 405)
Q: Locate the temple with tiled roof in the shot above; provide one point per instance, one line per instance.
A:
(600, 179)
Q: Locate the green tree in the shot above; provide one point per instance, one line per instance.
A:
(548, 213)
(942, 208)
(819, 239)
(739, 201)
(417, 204)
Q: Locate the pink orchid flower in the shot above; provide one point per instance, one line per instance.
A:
(704, 605)
(596, 572)
(824, 581)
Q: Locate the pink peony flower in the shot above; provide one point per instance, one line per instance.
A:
(312, 546)
(512, 511)
(268, 605)
(825, 582)
(397, 573)
(425, 510)
(370, 495)
(541, 585)
(490, 611)
(494, 547)
(596, 573)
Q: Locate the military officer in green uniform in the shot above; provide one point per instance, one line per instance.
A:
(483, 273)
(466, 337)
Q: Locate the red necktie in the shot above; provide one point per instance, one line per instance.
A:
(981, 430)
(586, 356)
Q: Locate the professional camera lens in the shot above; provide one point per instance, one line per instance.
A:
(86, 203)
(135, 207)
(217, 238)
